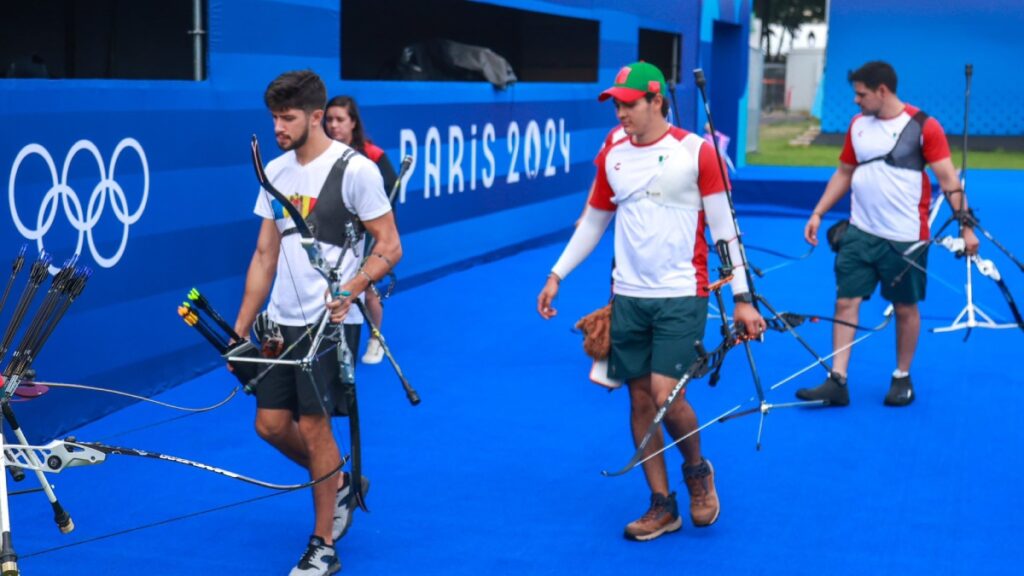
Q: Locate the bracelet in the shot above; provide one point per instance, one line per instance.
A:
(555, 276)
(745, 298)
(384, 258)
(368, 277)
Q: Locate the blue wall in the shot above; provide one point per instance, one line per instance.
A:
(197, 228)
(929, 43)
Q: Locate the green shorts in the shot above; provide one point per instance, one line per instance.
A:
(864, 260)
(655, 335)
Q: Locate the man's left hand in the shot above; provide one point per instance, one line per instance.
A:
(747, 317)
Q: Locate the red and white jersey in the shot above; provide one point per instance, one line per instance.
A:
(614, 135)
(889, 200)
(656, 190)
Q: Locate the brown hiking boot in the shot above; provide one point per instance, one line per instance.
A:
(700, 482)
(661, 517)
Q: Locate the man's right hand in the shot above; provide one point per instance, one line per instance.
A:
(811, 229)
(546, 297)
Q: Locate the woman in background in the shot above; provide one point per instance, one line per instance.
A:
(343, 123)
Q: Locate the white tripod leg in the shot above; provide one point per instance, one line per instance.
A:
(971, 311)
(8, 559)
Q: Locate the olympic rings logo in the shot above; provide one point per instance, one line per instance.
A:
(60, 193)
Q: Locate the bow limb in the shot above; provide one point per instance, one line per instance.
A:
(261, 175)
(308, 241)
(58, 455)
(704, 363)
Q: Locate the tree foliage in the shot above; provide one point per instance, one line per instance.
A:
(788, 15)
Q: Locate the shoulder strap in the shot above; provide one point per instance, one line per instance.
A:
(906, 152)
(329, 215)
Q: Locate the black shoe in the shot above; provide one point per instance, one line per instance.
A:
(833, 391)
(901, 392)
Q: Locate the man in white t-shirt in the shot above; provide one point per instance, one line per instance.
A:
(293, 409)
(887, 148)
(665, 185)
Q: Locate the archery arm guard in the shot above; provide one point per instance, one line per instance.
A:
(723, 230)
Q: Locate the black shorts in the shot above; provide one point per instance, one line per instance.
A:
(290, 388)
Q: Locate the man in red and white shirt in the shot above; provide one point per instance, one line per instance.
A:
(888, 146)
(666, 187)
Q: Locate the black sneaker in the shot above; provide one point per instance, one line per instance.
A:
(833, 391)
(319, 559)
(901, 392)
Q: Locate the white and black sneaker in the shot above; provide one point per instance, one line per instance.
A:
(318, 560)
(344, 505)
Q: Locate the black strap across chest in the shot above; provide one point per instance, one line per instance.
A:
(908, 152)
(329, 216)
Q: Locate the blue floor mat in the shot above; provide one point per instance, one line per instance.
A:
(498, 470)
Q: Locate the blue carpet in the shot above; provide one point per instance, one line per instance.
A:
(497, 472)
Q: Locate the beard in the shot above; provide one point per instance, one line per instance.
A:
(870, 111)
(297, 143)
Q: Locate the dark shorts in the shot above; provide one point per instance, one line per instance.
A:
(865, 260)
(655, 335)
(290, 388)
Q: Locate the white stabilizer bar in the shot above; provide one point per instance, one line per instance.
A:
(988, 268)
(53, 457)
(958, 246)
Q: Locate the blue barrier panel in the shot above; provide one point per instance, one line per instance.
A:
(150, 181)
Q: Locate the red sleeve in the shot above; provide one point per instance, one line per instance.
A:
(848, 156)
(373, 152)
(609, 139)
(602, 196)
(709, 179)
(934, 144)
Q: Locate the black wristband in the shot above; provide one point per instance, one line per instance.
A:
(745, 298)
(966, 218)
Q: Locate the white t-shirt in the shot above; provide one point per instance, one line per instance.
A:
(660, 250)
(299, 291)
(887, 201)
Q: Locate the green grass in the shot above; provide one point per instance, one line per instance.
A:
(774, 150)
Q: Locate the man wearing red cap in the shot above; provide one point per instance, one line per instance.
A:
(666, 187)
